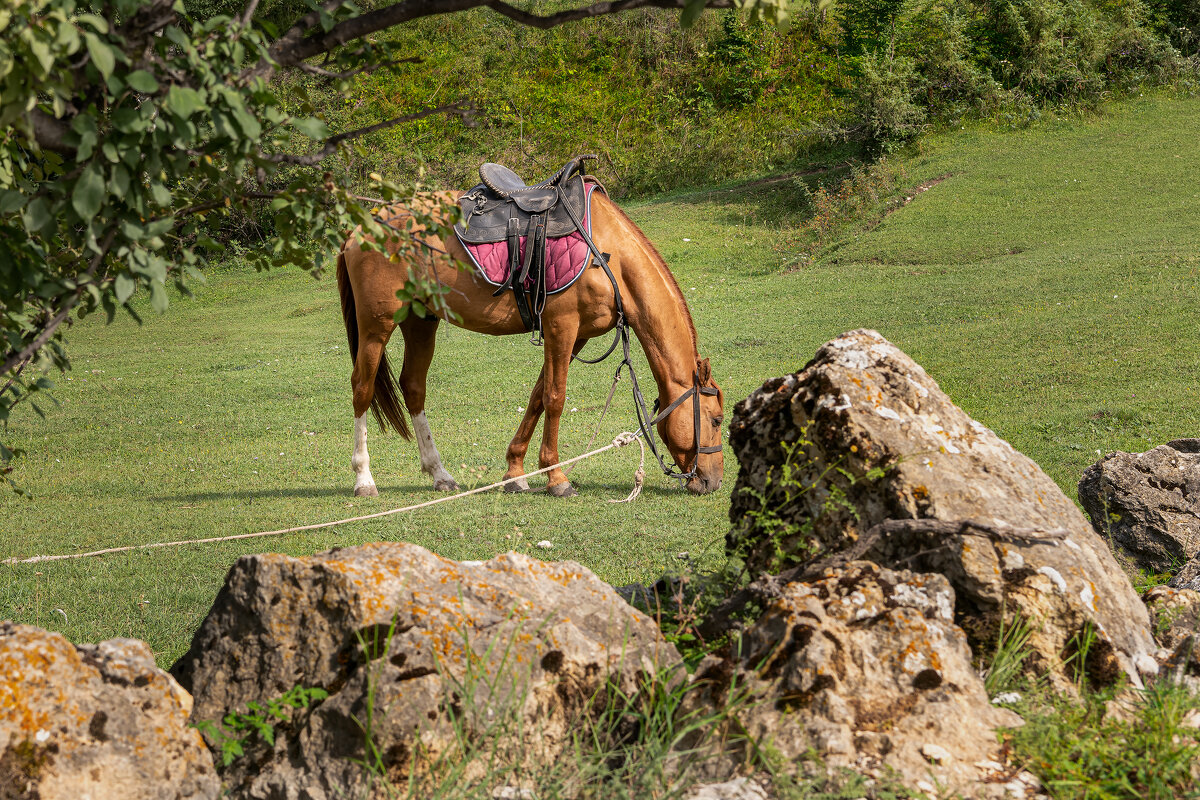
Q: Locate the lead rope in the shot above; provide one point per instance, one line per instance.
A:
(623, 439)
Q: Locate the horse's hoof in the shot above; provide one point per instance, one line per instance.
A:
(517, 486)
(367, 490)
(446, 486)
(564, 489)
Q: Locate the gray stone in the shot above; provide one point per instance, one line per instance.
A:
(418, 648)
(864, 440)
(1175, 614)
(94, 721)
(737, 789)
(1148, 504)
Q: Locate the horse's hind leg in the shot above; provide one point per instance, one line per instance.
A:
(420, 335)
(366, 364)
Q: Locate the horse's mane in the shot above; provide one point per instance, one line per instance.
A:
(687, 313)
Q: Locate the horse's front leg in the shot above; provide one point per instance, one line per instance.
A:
(519, 445)
(560, 344)
(520, 442)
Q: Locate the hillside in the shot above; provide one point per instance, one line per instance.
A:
(728, 98)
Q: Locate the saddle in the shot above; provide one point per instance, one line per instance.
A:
(504, 209)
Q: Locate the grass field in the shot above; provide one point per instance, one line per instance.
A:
(1049, 284)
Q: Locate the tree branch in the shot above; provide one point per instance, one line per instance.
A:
(350, 73)
(49, 131)
(293, 48)
(462, 107)
(594, 10)
(27, 352)
(248, 13)
(769, 585)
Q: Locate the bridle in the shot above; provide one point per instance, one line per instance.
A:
(646, 419)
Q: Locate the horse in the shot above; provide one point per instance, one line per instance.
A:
(654, 309)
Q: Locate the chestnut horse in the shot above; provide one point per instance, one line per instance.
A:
(654, 309)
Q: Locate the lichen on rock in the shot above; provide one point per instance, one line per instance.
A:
(96, 721)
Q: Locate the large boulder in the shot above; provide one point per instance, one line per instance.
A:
(97, 721)
(865, 668)
(861, 453)
(423, 652)
(1148, 503)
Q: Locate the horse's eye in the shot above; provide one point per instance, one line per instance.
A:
(717, 420)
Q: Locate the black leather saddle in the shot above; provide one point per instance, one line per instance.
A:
(503, 209)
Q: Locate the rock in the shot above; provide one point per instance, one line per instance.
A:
(95, 721)
(737, 789)
(865, 668)
(1188, 576)
(864, 440)
(935, 753)
(1175, 615)
(511, 644)
(1148, 504)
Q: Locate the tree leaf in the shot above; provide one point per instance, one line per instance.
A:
(184, 102)
(102, 55)
(85, 127)
(10, 201)
(99, 23)
(311, 127)
(158, 298)
(124, 287)
(142, 81)
(88, 194)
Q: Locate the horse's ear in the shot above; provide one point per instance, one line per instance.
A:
(703, 371)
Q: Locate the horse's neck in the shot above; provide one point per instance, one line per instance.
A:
(659, 318)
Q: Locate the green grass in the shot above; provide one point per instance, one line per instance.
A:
(1049, 285)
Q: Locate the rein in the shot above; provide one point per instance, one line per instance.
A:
(646, 419)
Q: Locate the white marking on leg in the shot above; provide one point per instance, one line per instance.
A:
(364, 484)
(431, 462)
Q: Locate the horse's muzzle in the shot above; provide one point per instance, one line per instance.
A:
(699, 485)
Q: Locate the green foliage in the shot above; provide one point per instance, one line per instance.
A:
(1080, 750)
(777, 527)
(1006, 667)
(869, 25)
(259, 719)
(739, 68)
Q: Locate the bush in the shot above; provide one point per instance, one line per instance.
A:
(885, 99)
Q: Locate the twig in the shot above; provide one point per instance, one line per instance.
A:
(462, 107)
(770, 585)
(312, 69)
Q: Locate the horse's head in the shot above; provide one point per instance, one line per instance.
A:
(697, 450)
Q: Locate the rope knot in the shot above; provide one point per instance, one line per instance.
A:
(623, 439)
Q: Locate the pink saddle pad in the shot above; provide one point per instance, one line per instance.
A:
(566, 256)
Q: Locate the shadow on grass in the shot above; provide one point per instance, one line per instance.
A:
(388, 494)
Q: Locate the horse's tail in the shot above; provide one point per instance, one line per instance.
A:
(385, 404)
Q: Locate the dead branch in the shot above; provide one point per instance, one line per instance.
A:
(461, 107)
(768, 586)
